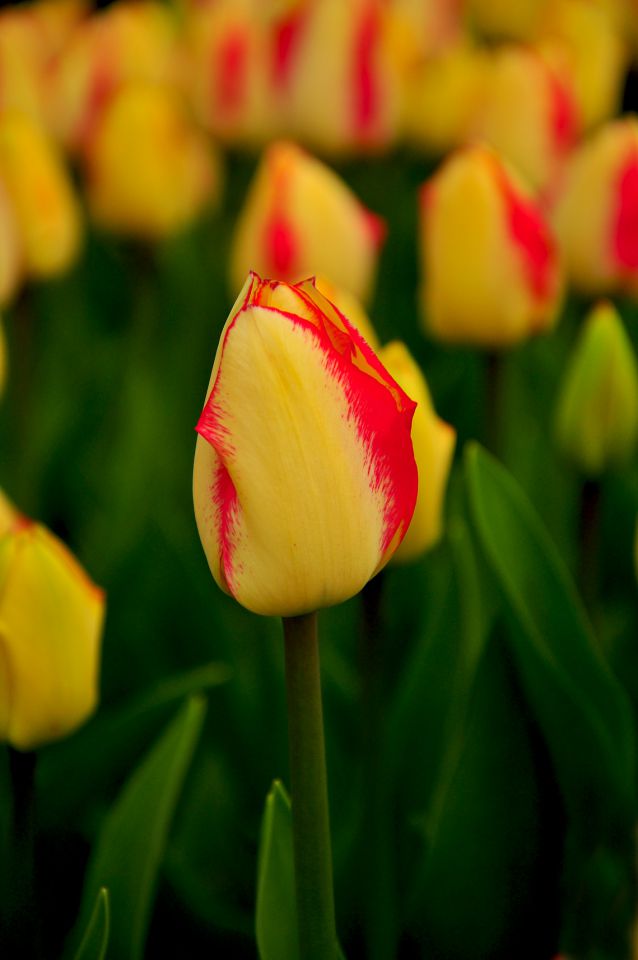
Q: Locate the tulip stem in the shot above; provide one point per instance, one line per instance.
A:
(309, 784)
(22, 926)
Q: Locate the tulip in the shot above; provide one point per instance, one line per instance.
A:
(584, 40)
(51, 615)
(300, 219)
(528, 115)
(597, 211)
(433, 441)
(597, 411)
(491, 273)
(432, 27)
(150, 171)
(42, 195)
(304, 480)
(344, 89)
(23, 60)
(11, 251)
(351, 308)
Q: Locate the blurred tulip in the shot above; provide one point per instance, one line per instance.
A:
(597, 211)
(597, 412)
(11, 248)
(434, 442)
(8, 514)
(344, 88)
(300, 219)
(51, 615)
(434, 25)
(350, 307)
(126, 43)
(528, 114)
(58, 19)
(23, 60)
(40, 189)
(304, 480)
(150, 170)
(228, 71)
(443, 94)
(581, 39)
(491, 275)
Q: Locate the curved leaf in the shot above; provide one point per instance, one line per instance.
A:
(96, 936)
(276, 919)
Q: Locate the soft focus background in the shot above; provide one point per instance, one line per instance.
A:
(500, 819)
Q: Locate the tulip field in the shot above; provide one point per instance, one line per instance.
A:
(319, 480)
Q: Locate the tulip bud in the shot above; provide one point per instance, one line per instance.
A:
(304, 481)
(150, 171)
(40, 189)
(528, 115)
(300, 219)
(344, 90)
(51, 615)
(597, 211)
(350, 307)
(433, 441)
(597, 412)
(490, 271)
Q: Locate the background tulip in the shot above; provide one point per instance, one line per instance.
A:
(304, 480)
(433, 442)
(300, 219)
(491, 274)
(11, 249)
(51, 616)
(597, 412)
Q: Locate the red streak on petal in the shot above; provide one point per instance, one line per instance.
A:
(227, 505)
(230, 67)
(531, 235)
(101, 89)
(564, 115)
(376, 227)
(281, 245)
(625, 229)
(366, 96)
(286, 35)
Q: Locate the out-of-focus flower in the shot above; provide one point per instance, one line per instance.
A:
(126, 43)
(350, 307)
(344, 81)
(229, 71)
(304, 480)
(597, 412)
(434, 442)
(23, 58)
(433, 26)
(11, 252)
(597, 211)
(528, 114)
(150, 170)
(8, 514)
(581, 39)
(42, 195)
(507, 20)
(300, 219)
(51, 615)
(491, 275)
(443, 94)
(58, 19)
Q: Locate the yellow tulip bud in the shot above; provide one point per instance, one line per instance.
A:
(351, 308)
(597, 412)
(597, 211)
(8, 514)
(300, 219)
(40, 188)
(11, 249)
(51, 616)
(434, 442)
(150, 171)
(583, 40)
(304, 481)
(491, 276)
(528, 115)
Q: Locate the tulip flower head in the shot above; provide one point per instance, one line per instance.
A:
(597, 211)
(491, 275)
(597, 413)
(434, 442)
(304, 480)
(51, 616)
(300, 219)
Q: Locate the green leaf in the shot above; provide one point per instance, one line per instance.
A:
(131, 843)
(276, 918)
(581, 708)
(96, 935)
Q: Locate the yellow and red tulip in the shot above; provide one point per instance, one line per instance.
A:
(491, 275)
(150, 170)
(40, 189)
(597, 413)
(300, 219)
(304, 480)
(433, 441)
(597, 211)
(51, 615)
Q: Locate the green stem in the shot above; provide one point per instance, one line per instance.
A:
(22, 926)
(310, 818)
